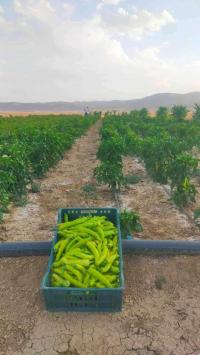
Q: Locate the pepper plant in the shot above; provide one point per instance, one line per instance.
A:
(110, 170)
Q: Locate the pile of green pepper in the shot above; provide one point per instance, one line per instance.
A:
(86, 254)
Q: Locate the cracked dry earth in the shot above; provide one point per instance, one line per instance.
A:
(153, 321)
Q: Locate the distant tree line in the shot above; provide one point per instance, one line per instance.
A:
(178, 112)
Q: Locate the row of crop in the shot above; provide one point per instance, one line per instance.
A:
(30, 146)
(162, 145)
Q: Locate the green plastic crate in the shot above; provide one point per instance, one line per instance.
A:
(84, 299)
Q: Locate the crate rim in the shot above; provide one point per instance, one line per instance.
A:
(87, 209)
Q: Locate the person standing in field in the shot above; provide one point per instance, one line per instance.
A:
(86, 111)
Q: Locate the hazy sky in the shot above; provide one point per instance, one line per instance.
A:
(98, 49)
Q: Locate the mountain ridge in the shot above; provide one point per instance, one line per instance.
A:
(151, 102)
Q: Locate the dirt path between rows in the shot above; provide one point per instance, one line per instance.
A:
(161, 313)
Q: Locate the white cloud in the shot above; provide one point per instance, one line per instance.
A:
(1, 10)
(39, 9)
(103, 3)
(135, 24)
(68, 8)
(46, 55)
(99, 6)
(111, 2)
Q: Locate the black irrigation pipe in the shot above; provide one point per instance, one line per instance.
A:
(161, 247)
(138, 247)
(25, 249)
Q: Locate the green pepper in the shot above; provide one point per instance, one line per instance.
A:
(99, 246)
(75, 272)
(74, 281)
(115, 240)
(109, 226)
(91, 222)
(59, 281)
(81, 243)
(71, 279)
(56, 246)
(116, 263)
(114, 269)
(86, 279)
(75, 222)
(77, 252)
(71, 261)
(110, 262)
(92, 282)
(94, 251)
(61, 249)
(109, 233)
(99, 277)
(65, 234)
(103, 255)
(80, 267)
(91, 241)
(111, 278)
(89, 232)
(110, 243)
(100, 232)
(109, 229)
(72, 243)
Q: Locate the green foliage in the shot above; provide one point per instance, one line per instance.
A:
(111, 149)
(110, 173)
(143, 114)
(182, 196)
(157, 152)
(162, 113)
(35, 187)
(132, 179)
(196, 113)
(159, 282)
(129, 222)
(179, 170)
(14, 168)
(179, 112)
(90, 190)
(161, 144)
(29, 146)
(197, 213)
(20, 200)
(197, 216)
(4, 201)
(132, 143)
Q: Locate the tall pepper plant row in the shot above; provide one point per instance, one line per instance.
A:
(31, 145)
(163, 143)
